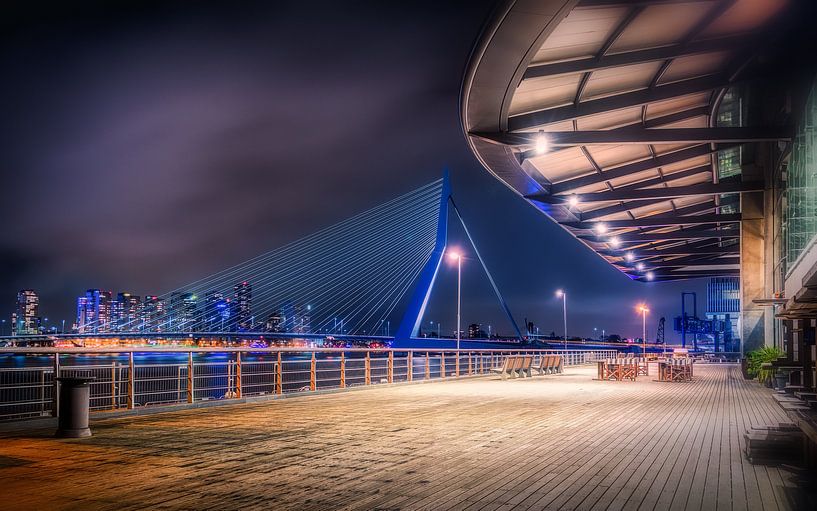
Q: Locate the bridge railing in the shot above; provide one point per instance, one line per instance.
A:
(136, 378)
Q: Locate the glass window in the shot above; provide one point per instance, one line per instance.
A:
(801, 185)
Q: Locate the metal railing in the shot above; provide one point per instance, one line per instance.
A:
(127, 378)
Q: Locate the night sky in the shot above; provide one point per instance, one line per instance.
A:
(146, 145)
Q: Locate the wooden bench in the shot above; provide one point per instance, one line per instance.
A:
(506, 370)
(515, 366)
(675, 370)
(618, 369)
(549, 364)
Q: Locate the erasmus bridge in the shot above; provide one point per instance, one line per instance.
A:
(366, 278)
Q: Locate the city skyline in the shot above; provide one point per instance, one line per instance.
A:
(211, 189)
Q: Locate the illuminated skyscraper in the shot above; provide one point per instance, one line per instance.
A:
(127, 319)
(94, 312)
(242, 305)
(26, 318)
(183, 312)
(152, 314)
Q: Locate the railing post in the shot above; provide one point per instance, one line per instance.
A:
(368, 369)
(131, 382)
(113, 386)
(457, 363)
(239, 390)
(470, 368)
(391, 367)
(428, 368)
(409, 366)
(55, 398)
(42, 392)
(442, 364)
(279, 386)
(312, 375)
(190, 377)
(343, 370)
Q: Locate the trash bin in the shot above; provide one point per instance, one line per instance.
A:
(75, 396)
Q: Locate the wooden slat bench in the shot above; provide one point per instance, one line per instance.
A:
(675, 370)
(619, 369)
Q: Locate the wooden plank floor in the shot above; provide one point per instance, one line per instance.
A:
(553, 442)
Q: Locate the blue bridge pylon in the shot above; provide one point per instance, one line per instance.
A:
(413, 316)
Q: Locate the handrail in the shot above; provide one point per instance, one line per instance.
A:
(305, 349)
(128, 382)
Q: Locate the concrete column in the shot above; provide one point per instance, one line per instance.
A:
(752, 272)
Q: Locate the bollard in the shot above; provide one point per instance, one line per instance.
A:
(75, 397)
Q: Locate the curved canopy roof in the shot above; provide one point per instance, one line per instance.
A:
(604, 115)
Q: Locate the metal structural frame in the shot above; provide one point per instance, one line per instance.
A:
(413, 316)
(626, 97)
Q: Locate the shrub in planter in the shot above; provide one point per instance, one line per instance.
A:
(755, 358)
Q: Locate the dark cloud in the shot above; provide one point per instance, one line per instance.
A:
(147, 144)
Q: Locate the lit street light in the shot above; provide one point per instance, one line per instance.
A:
(644, 310)
(563, 295)
(458, 257)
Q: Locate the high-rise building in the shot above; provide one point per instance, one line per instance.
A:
(275, 323)
(152, 314)
(117, 308)
(26, 319)
(303, 320)
(475, 331)
(183, 312)
(94, 312)
(242, 305)
(127, 319)
(288, 316)
(217, 311)
(81, 324)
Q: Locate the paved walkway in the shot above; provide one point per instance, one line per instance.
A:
(553, 442)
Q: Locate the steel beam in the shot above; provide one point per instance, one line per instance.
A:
(617, 102)
(641, 136)
(659, 222)
(685, 250)
(683, 234)
(699, 260)
(633, 168)
(634, 57)
(617, 208)
(652, 193)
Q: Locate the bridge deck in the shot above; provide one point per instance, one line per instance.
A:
(556, 442)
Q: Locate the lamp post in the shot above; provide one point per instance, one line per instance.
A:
(644, 310)
(563, 295)
(458, 257)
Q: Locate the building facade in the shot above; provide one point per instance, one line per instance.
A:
(26, 316)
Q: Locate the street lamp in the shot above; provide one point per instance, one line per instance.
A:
(563, 295)
(644, 310)
(456, 256)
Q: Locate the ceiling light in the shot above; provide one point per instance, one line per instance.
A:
(614, 242)
(542, 143)
(601, 228)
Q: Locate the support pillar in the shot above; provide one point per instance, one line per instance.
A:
(806, 357)
(752, 272)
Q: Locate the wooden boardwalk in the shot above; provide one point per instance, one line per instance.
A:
(553, 442)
